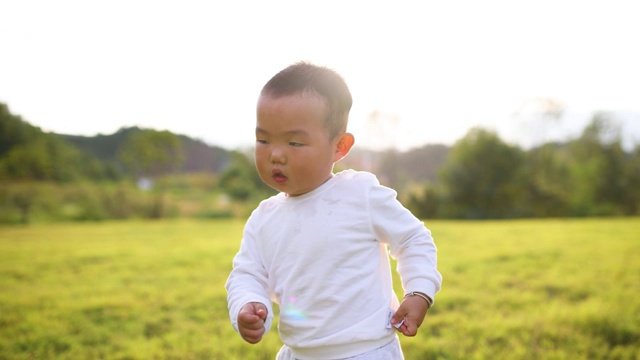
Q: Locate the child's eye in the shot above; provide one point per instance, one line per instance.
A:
(295, 144)
(260, 141)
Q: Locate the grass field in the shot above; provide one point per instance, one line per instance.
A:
(530, 289)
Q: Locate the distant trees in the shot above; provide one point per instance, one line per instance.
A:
(400, 170)
(150, 153)
(29, 157)
(26, 153)
(35, 168)
(13, 130)
(483, 177)
(241, 181)
(589, 176)
(198, 156)
(548, 181)
(602, 173)
(479, 177)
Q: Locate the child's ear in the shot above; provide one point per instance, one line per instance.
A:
(345, 142)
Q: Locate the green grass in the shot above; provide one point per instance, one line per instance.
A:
(531, 289)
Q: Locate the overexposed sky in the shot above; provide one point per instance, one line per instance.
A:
(431, 69)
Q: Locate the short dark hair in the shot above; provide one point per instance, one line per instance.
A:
(304, 77)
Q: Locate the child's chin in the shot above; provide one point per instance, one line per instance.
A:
(278, 187)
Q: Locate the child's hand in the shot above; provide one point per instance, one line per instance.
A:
(413, 310)
(251, 319)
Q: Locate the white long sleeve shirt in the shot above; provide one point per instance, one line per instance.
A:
(323, 258)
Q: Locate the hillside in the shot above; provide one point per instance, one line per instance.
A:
(199, 157)
(28, 152)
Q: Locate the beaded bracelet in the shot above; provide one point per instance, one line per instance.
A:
(422, 295)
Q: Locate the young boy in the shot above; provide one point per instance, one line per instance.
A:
(319, 247)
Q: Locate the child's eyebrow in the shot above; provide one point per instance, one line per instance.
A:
(260, 130)
(297, 132)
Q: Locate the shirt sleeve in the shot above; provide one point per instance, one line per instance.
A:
(247, 281)
(410, 242)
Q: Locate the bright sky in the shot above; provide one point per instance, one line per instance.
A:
(433, 69)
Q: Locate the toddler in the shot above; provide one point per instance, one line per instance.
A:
(320, 247)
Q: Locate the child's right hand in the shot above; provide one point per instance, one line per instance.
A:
(251, 321)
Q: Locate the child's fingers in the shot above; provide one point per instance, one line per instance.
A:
(252, 336)
(252, 316)
(409, 328)
(252, 322)
(261, 311)
(398, 317)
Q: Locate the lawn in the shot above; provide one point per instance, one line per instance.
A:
(525, 289)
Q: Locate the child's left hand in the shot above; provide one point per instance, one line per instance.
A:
(413, 310)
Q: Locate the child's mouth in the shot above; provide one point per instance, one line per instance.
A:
(279, 178)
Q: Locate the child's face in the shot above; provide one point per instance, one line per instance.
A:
(293, 152)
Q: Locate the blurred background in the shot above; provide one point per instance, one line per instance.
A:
(470, 110)
(126, 167)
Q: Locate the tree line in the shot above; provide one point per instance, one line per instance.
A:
(484, 177)
(66, 177)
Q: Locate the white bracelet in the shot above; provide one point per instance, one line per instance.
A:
(422, 295)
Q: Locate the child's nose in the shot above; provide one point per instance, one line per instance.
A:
(277, 155)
